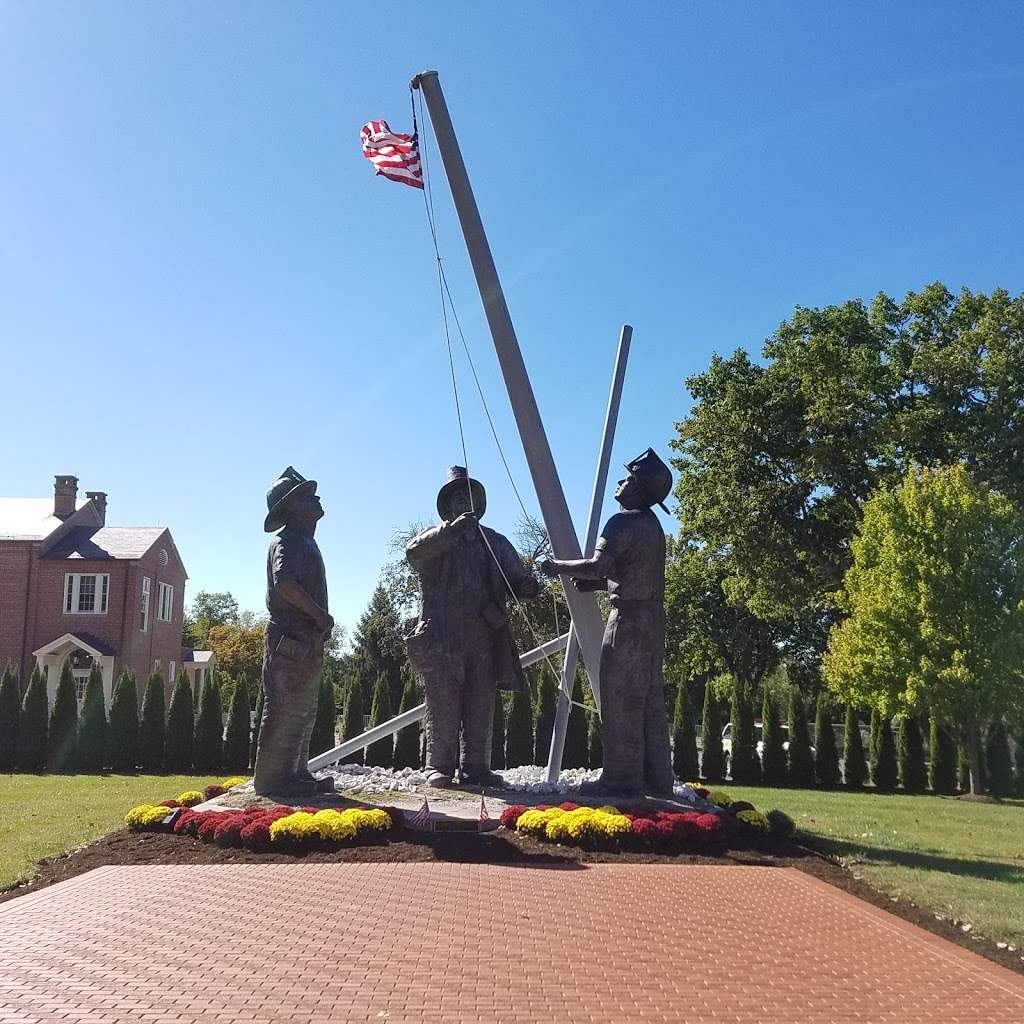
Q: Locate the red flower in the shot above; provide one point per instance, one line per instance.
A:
(227, 831)
(187, 823)
(645, 828)
(208, 825)
(168, 803)
(511, 814)
(568, 806)
(213, 790)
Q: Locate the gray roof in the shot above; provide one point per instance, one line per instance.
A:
(29, 518)
(188, 657)
(88, 542)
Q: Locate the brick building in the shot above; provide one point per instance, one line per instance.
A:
(73, 587)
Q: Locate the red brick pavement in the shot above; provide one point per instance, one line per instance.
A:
(473, 942)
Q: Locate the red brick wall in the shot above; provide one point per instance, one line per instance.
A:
(15, 558)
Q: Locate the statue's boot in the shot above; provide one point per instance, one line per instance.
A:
(293, 789)
(608, 787)
(484, 777)
(325, 785)
(439, 780)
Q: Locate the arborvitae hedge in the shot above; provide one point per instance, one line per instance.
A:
(744, 765)
(153, 726)
(352, 721)
(124, 724)
(685, 763)
(497, 733)
(826, 756)
(575, 753)
(208, 741)
(33, 726)
(854, 765)
(519, 731)
(407, 742)
(800, 760)
(883, 753)
(1018, 775)
(62, 741)
(913, 771)
(322, 738)
(261, 700)
(236, 737)
(547, 696)
(10, 712)
(998, 766)
(180, 728)
(595, 745)
(712, 758)
(942, 763)
(92, 725)
(381, 753)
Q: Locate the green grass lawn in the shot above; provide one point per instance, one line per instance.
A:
(43, 815)
(958, 858)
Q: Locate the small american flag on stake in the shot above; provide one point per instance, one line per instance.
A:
(421, 819)
(396, 155)
(484, 816)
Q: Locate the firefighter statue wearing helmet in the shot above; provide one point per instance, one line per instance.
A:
(629, 561)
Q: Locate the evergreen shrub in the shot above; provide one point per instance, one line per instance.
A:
(208, 740)
(826, 756)
(800, 759)
(685, 763)
(998, 766)
(942, 763)
(407, 742)
(855, 770)
(773, 752)
(62, 741)
(575, 754)
(882, 753)
(153, 725)
(322, 738)
(519, 731)
(352, 723)
(547, 696)
(913, 772)
(712, 758)
(33, 727)
(236, 737)
(123, 730)
(92, 725)
(10, 713)
(498, 732)
(180, 734)
(381, 753)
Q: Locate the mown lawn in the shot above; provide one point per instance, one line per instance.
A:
(959, 858)
(43, 815)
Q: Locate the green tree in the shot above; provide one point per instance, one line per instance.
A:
(854, 763)
(10, 713)
(997, 759)
(407, 742)
(595, 745)
(378, 638)
(800, 760)
(179, 737)
(1018, 762)
(208, 610)
(92, 725)
(547, 697)
(882, 753)
(322, 738)
(942, 763)
(935, 606)
(575, 753)
(153, 726)
(239, 646)
(826, 757)
(519, 731)
(352, 723)
(773, 751)
(913, 773)
(685, 762)
(712, 755)
(33, 726)
(236, 737)
(776, 458)
(124, 724)
(498, 733)
(744, 765)
(382, 752)
(208, 735)
(62, 741)
(261, 700)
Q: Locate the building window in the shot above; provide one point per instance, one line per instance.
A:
(81, 681)
(170, 673)
(165, 602)
(144, 604)
(86, 593)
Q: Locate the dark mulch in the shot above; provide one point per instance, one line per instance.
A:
(500, 847)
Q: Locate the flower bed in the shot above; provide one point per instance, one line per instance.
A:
(262, 827)
(646, 828)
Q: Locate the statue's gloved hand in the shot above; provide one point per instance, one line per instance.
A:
(467, 519)
(547, 567)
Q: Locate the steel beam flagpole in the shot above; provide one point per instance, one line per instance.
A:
(611, 417)
(583, 607)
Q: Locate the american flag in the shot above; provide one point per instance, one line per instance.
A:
(393, 154)
(484, 816)
(422, 817)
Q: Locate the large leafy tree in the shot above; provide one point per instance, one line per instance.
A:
(777, 458)
(239, 647)
(208, 610)
(935, 606)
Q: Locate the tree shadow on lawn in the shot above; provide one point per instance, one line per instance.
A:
(990, 870)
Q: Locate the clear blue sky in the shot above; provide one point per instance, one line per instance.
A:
(202, 281)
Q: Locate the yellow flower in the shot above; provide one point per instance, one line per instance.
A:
(720, 797)
(189, 798)
(535, 822)
(146, 816)
(755, 819)
(235, 780)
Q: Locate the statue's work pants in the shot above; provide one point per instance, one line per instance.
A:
(460, 700)
(634, 723)
(290, 688)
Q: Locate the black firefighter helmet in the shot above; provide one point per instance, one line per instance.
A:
(653, 477)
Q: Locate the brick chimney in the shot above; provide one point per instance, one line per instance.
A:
(65, 494)
(99, 499)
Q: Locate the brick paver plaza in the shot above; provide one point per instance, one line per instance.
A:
(472, 942)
